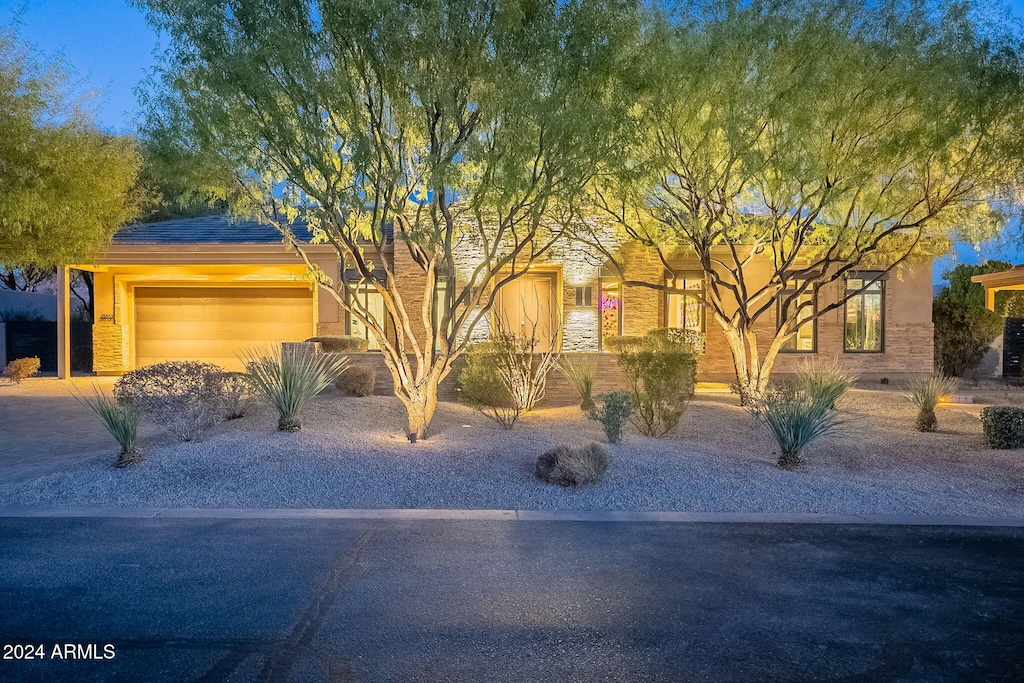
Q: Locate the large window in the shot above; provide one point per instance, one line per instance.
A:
(686, 311)
(865, 315)
(369, 302)
(801, 307)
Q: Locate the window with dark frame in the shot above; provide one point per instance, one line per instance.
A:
(803, 306)
(371, 304)
(444, 299)
(864, 320)
(682, 310)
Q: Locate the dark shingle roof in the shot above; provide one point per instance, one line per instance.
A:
(217, 229)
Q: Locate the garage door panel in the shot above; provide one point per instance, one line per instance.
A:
(198, 330)
(214, 324)
(213, 310)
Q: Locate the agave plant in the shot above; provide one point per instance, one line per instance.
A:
(824, 381)
(925, 393)
(795, 419)
(121, 419)
(290, 379)
(579, 371)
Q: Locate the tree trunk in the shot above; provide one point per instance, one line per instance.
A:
(753, 373)
(420, 406)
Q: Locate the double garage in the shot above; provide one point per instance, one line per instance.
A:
(200, 289)
(215, 324)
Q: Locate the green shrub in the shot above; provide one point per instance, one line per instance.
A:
(21, 369)
(580, 372)
(612, 412)
(481, 385)
(341, 344)
(964, 327)
(181, 397)
(795, 420)
(925, 392)
(824, 381)
(357, 381)
(1003, 426)
(620, 344)
(573, 465)
(232, 393)
(122, 421)
(290, 379)
(673, 338)
(661, 376)
(1013, 307)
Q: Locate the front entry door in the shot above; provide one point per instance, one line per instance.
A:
(530, 304)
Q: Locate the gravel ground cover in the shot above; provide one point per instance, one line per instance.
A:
(352, 453)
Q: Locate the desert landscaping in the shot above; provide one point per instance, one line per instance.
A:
(353, 453)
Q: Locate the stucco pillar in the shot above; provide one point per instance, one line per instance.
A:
(990, 299)
(63, 322)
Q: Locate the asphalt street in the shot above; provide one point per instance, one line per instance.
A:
(443, 600)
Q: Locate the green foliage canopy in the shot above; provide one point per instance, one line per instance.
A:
(66, 185)
(818, 137)
(455, 125)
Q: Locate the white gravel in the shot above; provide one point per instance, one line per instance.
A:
(352, 453)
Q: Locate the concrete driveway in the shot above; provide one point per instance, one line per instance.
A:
(387, 600)
(43, 428)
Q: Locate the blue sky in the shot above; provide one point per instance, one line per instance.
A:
(112, 47)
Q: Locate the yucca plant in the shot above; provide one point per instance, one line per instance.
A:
(121, 419)
(290, 379)
(580, 371)
(795, 419)
(824, 381)
(925, 392)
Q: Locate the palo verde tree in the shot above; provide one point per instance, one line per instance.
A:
(436, 127)
(65, 185)
(813, 140)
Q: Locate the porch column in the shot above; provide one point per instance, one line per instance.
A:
(63, 322)
(990, 298)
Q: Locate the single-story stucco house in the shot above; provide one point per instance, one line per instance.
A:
(206, 288)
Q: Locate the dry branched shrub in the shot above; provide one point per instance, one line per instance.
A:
(181, 397)
(21, 369)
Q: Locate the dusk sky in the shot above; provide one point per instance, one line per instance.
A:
(112, 47)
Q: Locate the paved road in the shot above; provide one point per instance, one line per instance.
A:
(386, 600)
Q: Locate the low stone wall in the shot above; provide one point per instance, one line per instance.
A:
(559, 391)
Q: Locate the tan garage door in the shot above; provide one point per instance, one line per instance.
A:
(214, 324)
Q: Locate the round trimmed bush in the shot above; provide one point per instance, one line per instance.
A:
(1003, 426)
(357, 381)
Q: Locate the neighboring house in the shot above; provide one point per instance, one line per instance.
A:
(206, 288)
(1006, 355)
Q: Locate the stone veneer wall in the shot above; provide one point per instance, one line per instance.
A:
(110, 348)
